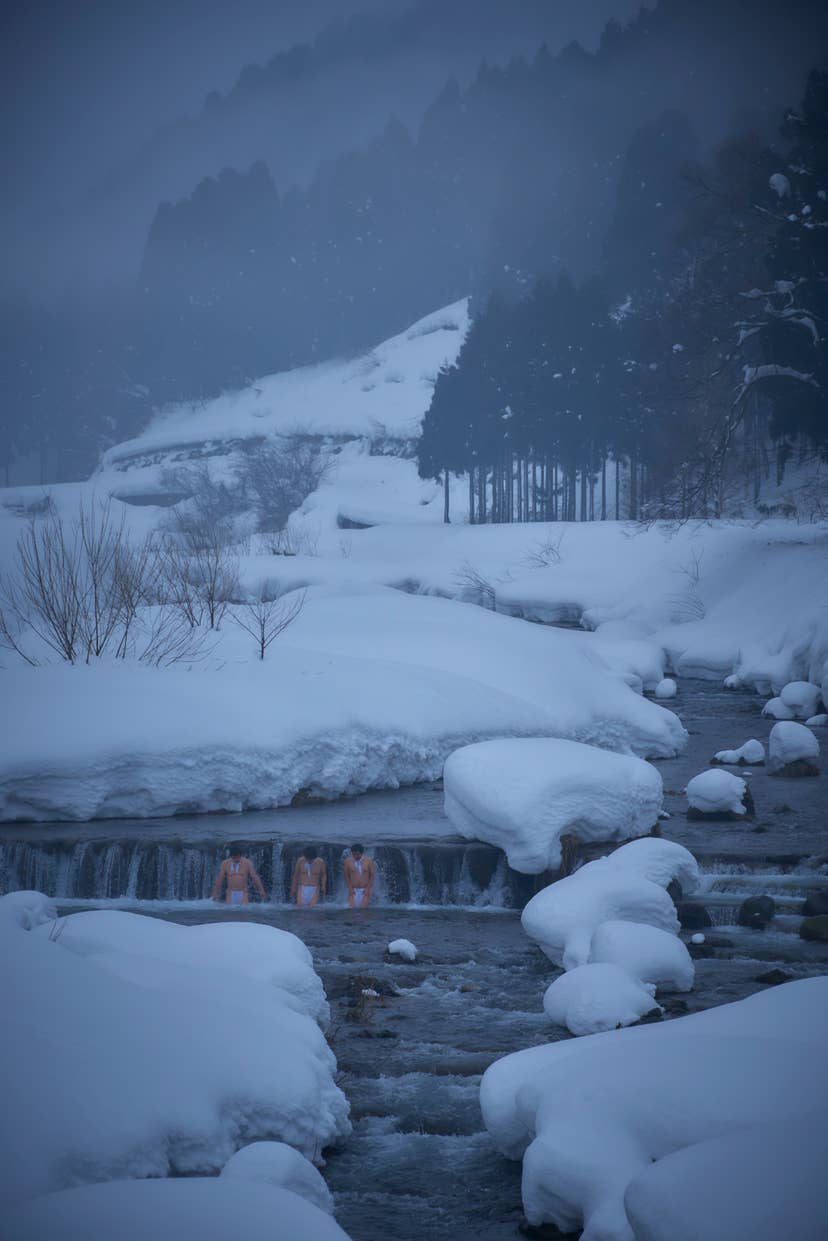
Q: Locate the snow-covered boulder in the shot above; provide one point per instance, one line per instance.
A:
(764, 1183)
(275, 1163)
(598, 997)
(402, 948)
(717, 794)
(629, 885)
(666, 688)
(191, 1208)
(776, 709)
(751, 754)
(590, 1116)
(817, 721)
(793, 750)
(802, 698)
(158, 1049)
(645, 952)
(524, 794)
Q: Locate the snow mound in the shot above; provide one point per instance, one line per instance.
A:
(523, 795)
(590, 1116)
(752, 1187)
(789, 742)
(752, 753)
(817, 721)
(274, 1163)
(159, 1049)
(666, 688)
(597, 997)
(192, 1208)
(717, 792)
(628, 886)
(370, 688)
(403, 948)
(802, 698)
(645, 952)
(776, 709)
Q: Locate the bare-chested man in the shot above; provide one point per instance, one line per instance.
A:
(310, 877)
(359, 876)
(237, 872)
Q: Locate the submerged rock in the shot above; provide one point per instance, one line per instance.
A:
(773, 978)
(757, 912)
(815, 929)
(816, 904)
(693, 916)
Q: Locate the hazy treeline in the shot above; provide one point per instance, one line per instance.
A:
(514, 177)
(700, 343)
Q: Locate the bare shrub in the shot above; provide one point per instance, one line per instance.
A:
(474, 587)
(208, 514)
(279, 475)
(290, 542)
(544, 553)
(267, 615)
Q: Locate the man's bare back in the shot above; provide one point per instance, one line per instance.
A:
(237, 873)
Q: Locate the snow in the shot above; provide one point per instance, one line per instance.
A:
(403, 948)
(196, 1208)
(802, 698)
(590, 1116)
(776, 709)
(752, 753)
(717, 792)
(275, 1163)
(158, 1049)
(666, 688)
(524, 794)
(789, 742)
(628, 885)
(698, 938)
(370, 688)
(645, 952)
(764, 1183)
(597, 997)
(817, 721)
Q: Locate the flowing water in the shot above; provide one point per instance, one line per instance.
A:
(419, 1162)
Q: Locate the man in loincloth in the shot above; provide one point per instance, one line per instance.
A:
(310, 877)
(237, 872)
(359, 876)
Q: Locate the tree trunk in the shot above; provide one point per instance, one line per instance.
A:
(446, 517)
(604, 488)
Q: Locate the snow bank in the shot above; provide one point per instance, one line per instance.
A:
(752, 753)
(717, 792)
(403, 948)
(629, 886)
(764, 1183)
(589, 1116)
(194, 1208)
(789, 742)
(645, 952)
(523, 795)
(597, 997)
(155, 1048)
(368, 689)
(275, 1163)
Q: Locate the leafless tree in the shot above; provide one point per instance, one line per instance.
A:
(279, 474)
(265, 618)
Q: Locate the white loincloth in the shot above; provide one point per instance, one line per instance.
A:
(358, 895)
(236, 896)
(307, 891)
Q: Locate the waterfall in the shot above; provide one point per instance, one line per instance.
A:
(441, 874)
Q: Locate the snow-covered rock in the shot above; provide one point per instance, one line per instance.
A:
(761, 1183)
(629, 885)
(817, 721)
(524, 794)
(802, 698)
(369, 688)
(195, 1208)
(403, 948)
(645, 952)
(791, 743)
(776, 709)
(158, 1049)
(666, 688)
(752, 753)
(275, 1163)
(717, 792)
(597, 997)
(590, 1116)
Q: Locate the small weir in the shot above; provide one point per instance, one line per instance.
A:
(434, 874)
